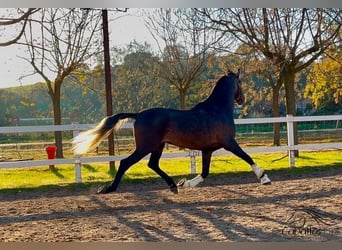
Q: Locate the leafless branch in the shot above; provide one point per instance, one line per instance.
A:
(23, 18)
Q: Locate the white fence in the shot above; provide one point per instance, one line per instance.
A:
(76, 128)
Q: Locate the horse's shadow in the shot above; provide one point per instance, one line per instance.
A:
(156, 183)
(193, 216)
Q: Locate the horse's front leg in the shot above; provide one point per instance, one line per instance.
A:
(206, 157)
(259, 172)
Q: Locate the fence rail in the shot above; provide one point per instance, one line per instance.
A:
(76, 128)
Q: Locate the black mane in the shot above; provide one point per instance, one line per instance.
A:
(221, 95)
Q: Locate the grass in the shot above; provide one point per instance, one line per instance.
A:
(64, 175)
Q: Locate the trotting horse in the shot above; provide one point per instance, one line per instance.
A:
(208, 126)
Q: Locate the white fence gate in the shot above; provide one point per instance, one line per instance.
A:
(76, 128)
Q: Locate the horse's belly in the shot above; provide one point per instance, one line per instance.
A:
(192, 140)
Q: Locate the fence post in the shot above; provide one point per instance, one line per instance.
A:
(78, 171)
(192, 154)
(78, 164)
(290, 140)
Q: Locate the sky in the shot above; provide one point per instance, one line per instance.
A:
(122, 30)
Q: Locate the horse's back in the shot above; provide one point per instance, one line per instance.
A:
(153, 117)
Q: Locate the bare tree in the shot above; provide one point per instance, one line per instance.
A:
(267, 72)
(59, 42)
(291, 39)
(17, 18)
(184, 44)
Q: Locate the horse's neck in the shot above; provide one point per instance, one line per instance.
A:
(221, 98)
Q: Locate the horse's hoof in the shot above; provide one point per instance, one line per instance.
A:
(174, 189)
(265, 180)
(181, 182)
(103, 190)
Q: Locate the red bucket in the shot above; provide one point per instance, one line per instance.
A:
(51, 153)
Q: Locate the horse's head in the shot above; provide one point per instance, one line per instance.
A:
(238, 95)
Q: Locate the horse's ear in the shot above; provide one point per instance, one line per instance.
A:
(229, 72)
(238, 73)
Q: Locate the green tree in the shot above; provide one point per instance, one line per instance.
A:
(84, 95)
(325, 81)
(267, 85)
(137, 81)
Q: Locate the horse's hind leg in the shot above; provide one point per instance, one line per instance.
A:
(234, 147)
(154, 164)
(124, 165)
(206, 158)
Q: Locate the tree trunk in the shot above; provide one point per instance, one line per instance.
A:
(289, 82)
(276, 113)
(182, 94)
(56, 101)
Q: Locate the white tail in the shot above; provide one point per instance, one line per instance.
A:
(90, 139)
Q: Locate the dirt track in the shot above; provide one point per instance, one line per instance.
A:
(296, 208)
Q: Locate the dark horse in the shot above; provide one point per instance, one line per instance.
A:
(207, 127)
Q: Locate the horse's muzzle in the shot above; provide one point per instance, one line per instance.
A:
(240, 99)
